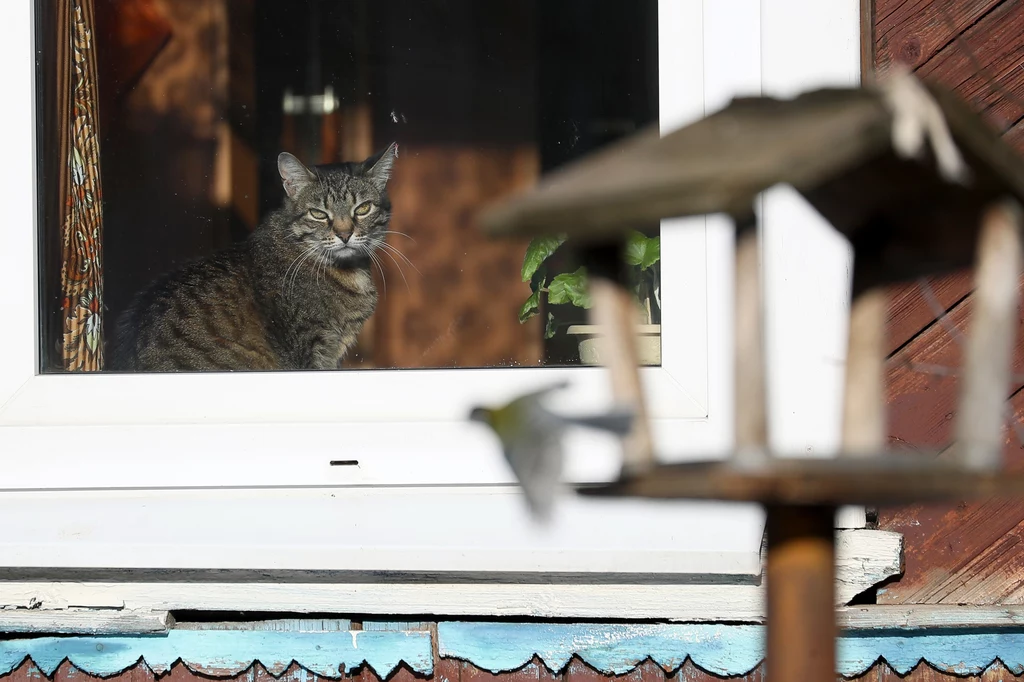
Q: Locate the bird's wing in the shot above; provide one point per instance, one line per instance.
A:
(534, 396)
(536, 456)
(618, 421)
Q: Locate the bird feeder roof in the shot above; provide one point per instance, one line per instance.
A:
(834, 146)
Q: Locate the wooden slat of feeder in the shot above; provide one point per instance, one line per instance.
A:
(614, 311)
(718, 164)
(989, 354)
(864, 394)
(751, 420)
(988, 152)
(889, 479)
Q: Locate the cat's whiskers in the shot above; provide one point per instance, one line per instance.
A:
(322, 263)
(295, 273)
(401, 234)
(399, 266)
(296, 263)
(315, 250)
(383, 279)
(312, 254)
(381, 243)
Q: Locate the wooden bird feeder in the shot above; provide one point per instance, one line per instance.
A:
(919, 185)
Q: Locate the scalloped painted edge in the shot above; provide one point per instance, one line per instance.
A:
(724, 650)
(226, 653)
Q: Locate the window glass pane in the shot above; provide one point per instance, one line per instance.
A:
(173, 151)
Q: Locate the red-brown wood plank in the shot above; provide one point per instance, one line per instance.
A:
(447, 669)
(983, 65)
(913, 31)
(967, 552)
(943, 543)
(470, 673)
(922, 402)
(909, 312)
(923, 672)
(962, 553)
(545, 675)
(28, 673)
(691, 673)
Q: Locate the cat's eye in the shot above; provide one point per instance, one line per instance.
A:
(317, 214)
(363, 209)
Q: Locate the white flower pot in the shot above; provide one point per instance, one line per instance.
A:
(648, 343)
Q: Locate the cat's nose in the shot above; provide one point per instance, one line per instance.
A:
(344, 230)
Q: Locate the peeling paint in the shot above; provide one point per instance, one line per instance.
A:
(725, 650)
(225, 653)
(610, 648)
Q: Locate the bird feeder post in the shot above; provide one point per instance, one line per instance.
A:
(800, 559)
(800, 585)
(863, 432)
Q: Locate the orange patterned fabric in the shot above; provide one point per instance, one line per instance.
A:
(82, 211)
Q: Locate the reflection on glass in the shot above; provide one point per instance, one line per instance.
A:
(256, 214)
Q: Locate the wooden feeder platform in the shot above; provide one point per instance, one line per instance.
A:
(891, 479)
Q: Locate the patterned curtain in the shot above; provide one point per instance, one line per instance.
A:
(81, 211)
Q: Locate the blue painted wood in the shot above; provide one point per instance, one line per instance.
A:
(227, 652)
(963, 653)
(725, 650)
(721, 649)
(610, 648)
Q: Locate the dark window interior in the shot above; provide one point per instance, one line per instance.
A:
(193, 116)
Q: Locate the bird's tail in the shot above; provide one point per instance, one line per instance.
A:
(617, 421)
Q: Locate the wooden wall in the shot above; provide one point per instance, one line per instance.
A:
(457, 303)
(967, 552)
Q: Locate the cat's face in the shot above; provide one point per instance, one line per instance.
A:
(340, 210)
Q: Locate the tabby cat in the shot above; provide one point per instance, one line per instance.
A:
(294, 295)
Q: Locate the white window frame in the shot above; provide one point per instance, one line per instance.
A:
(211, 470)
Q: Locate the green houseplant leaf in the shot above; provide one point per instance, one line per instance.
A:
(549, 328)
(539, 249)
(652, 254)
(570, 288)
(641, 250)
(530, 308)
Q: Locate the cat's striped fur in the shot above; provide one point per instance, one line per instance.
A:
(294, 295)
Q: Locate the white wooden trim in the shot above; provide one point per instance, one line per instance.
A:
(930, 616)
(904, 618)
(863, 561)
(85, 621)
(921, 617)
(373, 529)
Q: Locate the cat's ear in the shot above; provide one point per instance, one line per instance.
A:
(294, 175)
(379, 166)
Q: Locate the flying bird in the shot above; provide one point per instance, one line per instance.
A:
(531, 440)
